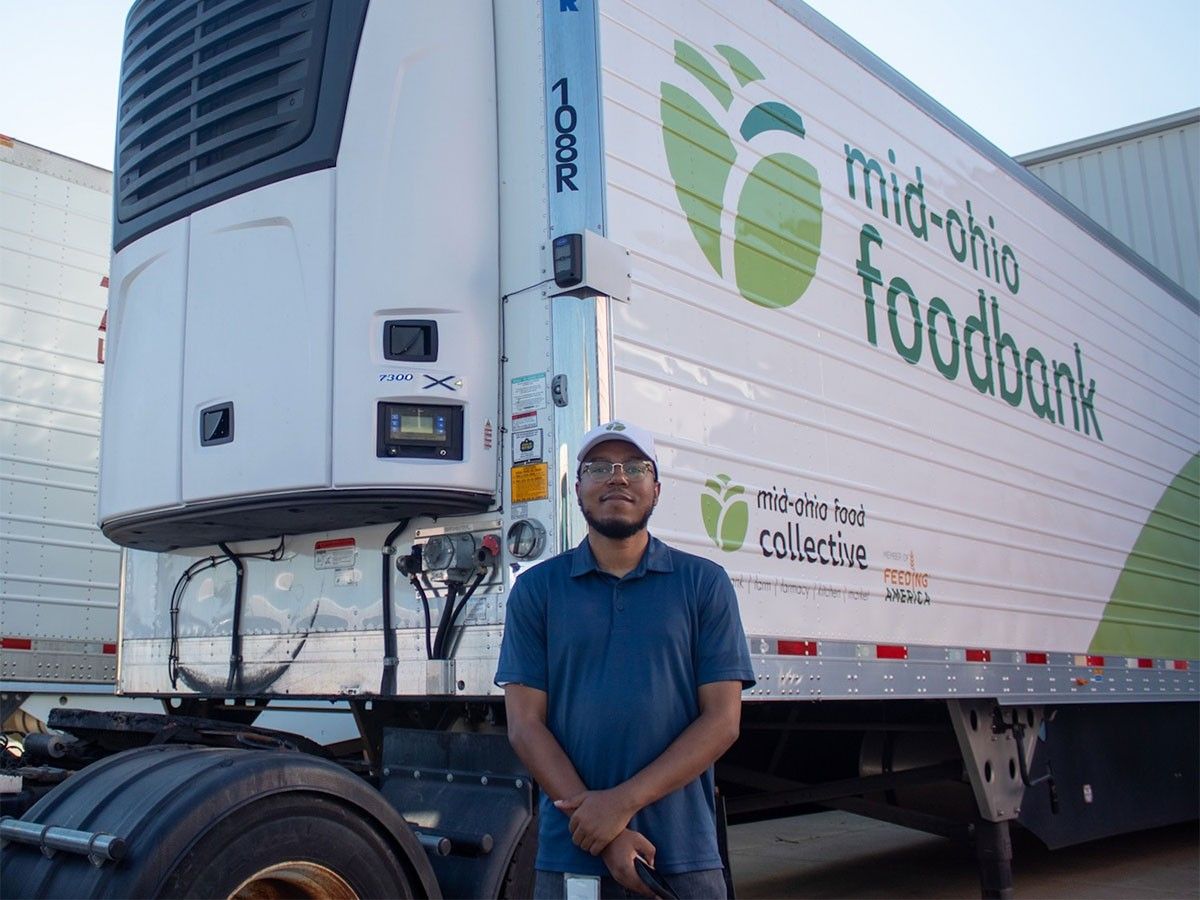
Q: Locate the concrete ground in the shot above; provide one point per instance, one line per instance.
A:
(837, 854)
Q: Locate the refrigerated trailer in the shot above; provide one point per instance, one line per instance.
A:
(378, 267)
(58, 573)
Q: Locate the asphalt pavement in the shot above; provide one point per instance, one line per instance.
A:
(836, 854)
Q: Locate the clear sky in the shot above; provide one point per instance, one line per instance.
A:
(1026, 74)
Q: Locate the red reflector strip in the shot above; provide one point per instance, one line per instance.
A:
(891, 651)
(1095, 660)
(1144, 663)
(1180, 665)
(333, 544)
(11, 643)
(1036, 659)
(798, 648)
(110, 649)
(979, 656)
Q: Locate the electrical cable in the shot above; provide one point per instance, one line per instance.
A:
(443, 649)
(189, 573)
(526, 288)
(387, 682)
(452, 589)
(235, 637)
(424, 605)
(430, 585)
(201, 565)
(467, 596)
(274, 555)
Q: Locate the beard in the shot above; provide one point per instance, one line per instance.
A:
(616, 530)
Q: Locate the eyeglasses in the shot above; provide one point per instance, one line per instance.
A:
(602, 470)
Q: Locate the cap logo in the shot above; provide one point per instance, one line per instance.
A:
(614, 426)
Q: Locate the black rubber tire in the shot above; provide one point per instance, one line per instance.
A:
(291, 827)
(519, 878)
(199, 821)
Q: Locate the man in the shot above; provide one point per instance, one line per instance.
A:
(623, 664)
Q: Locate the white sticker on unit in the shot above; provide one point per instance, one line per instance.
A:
(523, 421)
(529, 392)
(339, 553)
(347, 576)
(527, 446)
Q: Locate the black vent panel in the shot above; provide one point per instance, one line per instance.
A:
(213, 89)
(210, 88)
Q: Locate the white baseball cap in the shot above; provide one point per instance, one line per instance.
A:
(618, 430)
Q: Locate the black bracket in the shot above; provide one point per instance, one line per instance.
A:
(1000, 726)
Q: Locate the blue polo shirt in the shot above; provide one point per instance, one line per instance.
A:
(621, 661)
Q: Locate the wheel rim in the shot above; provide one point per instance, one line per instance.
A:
(295, 879)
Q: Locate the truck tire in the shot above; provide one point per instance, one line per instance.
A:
(205, 822)
(520, 875)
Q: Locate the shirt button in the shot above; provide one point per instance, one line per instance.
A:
(620, 606)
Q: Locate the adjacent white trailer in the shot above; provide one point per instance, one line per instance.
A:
(58, 573)
(377, 269)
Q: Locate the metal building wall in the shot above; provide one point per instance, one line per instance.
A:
(1142, 183)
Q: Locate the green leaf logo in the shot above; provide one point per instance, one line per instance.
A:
(777, 231)
(725, 518)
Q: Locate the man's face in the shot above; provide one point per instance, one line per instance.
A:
(617, 507)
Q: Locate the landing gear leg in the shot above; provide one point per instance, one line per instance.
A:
(993, 849)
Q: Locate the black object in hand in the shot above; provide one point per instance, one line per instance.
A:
(651, 879)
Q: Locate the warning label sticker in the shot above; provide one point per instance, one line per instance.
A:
(530, 482)
(527, 446)
(339, 553)
(529, 392)
(523, 421)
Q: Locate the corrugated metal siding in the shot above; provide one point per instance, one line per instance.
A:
(1141, 183)
(58, 574)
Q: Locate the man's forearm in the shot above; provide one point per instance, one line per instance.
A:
(597, 817)
(685, 759)
(549, 765)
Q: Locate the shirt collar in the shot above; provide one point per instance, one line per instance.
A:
(656, 558)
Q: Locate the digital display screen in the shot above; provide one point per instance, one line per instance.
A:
(419, 431)
(416, 423)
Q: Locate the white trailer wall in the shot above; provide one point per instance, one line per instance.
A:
(58, 574)
(983, 522)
